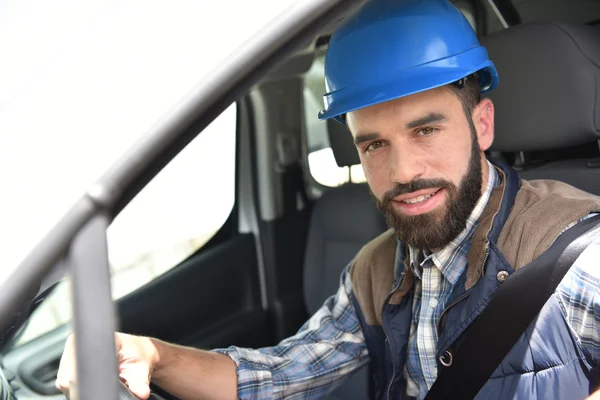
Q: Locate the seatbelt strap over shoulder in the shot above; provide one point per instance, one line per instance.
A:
(494, 333)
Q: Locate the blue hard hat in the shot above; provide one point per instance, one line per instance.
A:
(394, 48)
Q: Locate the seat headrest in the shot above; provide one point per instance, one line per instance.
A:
(549, 86)
(342, 144)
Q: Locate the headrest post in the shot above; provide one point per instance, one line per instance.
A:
(596, 162)
(521, 160)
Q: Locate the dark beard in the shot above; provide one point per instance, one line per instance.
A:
(435, 229)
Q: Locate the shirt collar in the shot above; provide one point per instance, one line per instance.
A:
(443, 258)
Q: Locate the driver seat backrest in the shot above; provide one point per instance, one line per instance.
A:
(547, 99)
(343, 220)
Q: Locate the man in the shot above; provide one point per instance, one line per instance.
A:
(406, 76)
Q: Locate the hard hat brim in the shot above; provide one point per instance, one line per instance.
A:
(404, 83)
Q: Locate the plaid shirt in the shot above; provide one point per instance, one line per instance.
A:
(436, 274)
(330, 345)
(309, 364)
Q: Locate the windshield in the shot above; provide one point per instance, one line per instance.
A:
(82, 81)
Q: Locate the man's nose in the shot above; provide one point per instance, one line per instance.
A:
(405, 165)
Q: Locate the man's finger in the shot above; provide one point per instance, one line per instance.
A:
(66, 367)
(140, 389)
(137, 378)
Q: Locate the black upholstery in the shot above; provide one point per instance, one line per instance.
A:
(343, 220)
(573, 172)
(548, 96)
(549, 86)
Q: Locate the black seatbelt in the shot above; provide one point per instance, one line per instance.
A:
(512, 309)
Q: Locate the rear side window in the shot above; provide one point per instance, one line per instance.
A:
(321, 160)
(171, 218)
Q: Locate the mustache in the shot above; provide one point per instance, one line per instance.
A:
(413, 186)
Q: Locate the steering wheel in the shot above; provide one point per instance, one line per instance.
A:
(126, 394)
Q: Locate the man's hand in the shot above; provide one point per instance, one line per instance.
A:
(137, 357)
(185, 372)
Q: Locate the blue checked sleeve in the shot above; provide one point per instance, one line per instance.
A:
(328, 347)
(579, 295)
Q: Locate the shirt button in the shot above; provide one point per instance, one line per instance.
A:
(433, 303)
(501, 276)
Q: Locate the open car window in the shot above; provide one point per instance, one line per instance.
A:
(170, 219)
(85, 81)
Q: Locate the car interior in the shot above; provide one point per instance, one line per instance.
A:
(279, 254)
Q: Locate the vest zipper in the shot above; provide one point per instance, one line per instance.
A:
(387, 338)
(487, 253)
(389, 389)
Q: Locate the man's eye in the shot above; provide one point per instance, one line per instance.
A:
(374, 146)
(425, 131)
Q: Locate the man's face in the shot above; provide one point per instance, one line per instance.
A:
(424, 162)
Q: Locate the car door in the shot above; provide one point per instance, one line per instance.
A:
(182, 268)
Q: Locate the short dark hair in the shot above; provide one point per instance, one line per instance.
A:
(468, 92)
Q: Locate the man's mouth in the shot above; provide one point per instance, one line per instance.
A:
(419, 202)
(419, 199)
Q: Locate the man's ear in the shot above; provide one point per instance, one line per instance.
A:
(483, 118)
